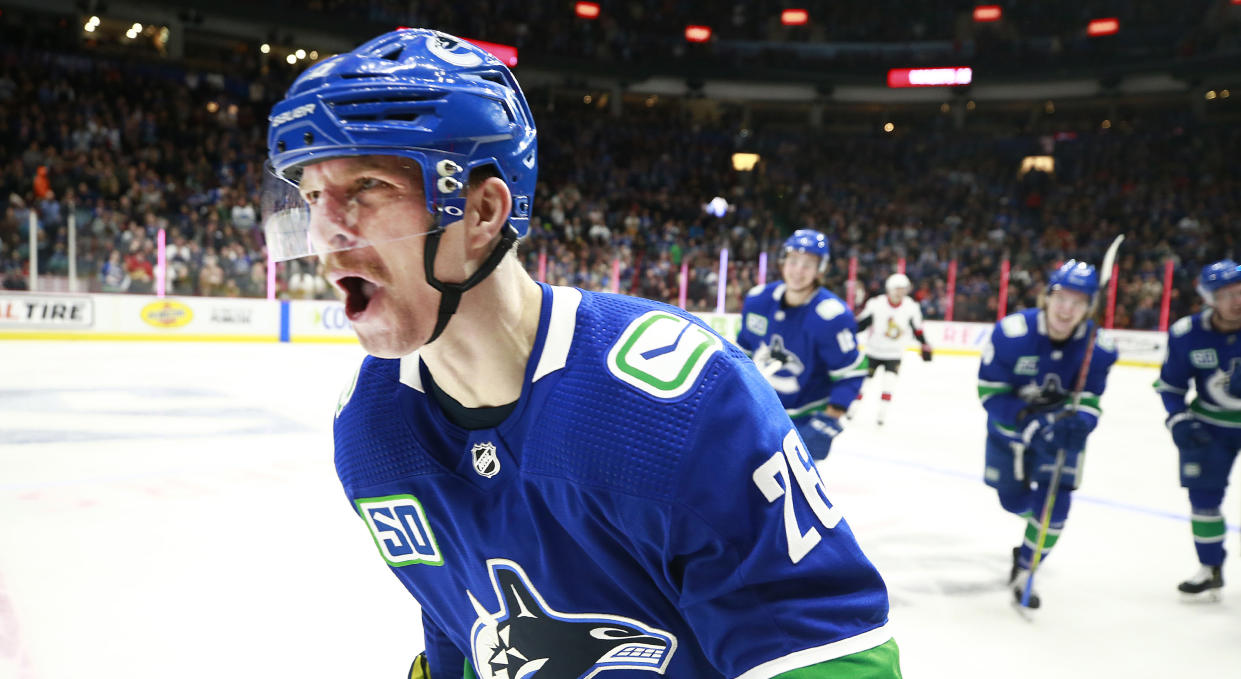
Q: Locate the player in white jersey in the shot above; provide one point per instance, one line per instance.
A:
(890, 321)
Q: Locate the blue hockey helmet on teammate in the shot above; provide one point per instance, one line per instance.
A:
(1077, 276)
(419, 94)
(1218, 275)
(811, 242)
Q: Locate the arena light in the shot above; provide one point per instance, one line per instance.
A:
(697, 33)
(1038, 163)
(1098, 27)
(930, 77)
(744, 162)
(794, 17)
(505, 53)
(265, 48)
(586, 10)
(984, 13)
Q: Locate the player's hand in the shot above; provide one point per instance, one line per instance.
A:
(1188, 432)
(826, 424)
(1234, 379)
(1069, 432)
(926, 352)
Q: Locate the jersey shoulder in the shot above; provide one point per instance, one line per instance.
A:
(1105, 346)
(830, 309)
(371, 432)
(627, 406)
(1016, 329)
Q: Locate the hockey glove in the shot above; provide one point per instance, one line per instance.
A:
(1056, 429)
(825, 424)
(1234, 379)
(926, 352)
(1070, 432)
(1187, 432)
(419, 669)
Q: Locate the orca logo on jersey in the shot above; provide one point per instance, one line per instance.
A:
(486, 462)
(781, 367)
(527, 638)
(1217, 386)
(1048, 395)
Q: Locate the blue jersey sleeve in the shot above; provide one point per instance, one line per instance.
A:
(1101, 361)
(1174, 375)
(756, 558)
(996, 377)
(443, 658)
(838, 349)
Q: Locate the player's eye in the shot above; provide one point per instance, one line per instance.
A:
(367, 183)
(311, 197)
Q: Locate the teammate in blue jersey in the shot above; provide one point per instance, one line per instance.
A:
(1205, 350)
(567, 482)
(1029, 369)
(804, 341)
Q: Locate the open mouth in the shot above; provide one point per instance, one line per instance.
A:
(358, 295)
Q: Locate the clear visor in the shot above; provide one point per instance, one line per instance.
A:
(295, 229)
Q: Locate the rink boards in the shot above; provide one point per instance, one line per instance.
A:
(198, 319)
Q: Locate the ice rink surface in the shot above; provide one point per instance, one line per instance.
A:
(171, 510)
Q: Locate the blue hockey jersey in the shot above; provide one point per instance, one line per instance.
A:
(647, 507)
(808, 353)
(1200, 354)
(1022, 370)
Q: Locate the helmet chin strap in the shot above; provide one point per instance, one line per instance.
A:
(450, 293)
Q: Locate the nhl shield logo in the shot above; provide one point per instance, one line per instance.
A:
(486, 462)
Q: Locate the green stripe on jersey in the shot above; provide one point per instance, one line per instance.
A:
(1214, 414)
(880, 662)
(1160, 385)
(988, 389)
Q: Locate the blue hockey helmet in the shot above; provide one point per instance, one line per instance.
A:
(1077, 276)
(414, 93)
(811, 242)
(1218, 275)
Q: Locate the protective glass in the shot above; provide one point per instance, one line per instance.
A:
(292, 233)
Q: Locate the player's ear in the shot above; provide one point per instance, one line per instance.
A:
(487, 208)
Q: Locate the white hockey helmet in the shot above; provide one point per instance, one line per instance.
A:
(897, 281)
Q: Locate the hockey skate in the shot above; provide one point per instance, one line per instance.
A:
(1017, 577)
(1206, 585)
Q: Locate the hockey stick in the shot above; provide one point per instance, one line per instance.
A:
(1105, 277)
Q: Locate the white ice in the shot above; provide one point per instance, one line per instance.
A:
(171, 510)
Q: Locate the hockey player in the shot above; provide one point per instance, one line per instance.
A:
(567, 482)
(1029, 368)
(803, 340)
(1205, 349)
(892, 319)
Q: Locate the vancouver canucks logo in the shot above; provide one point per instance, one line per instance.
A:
(1217, 385)
(450, 49)
(527, 639)
(1051, 393)
(780, 366)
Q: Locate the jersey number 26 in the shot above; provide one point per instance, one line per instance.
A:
(772, 478)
